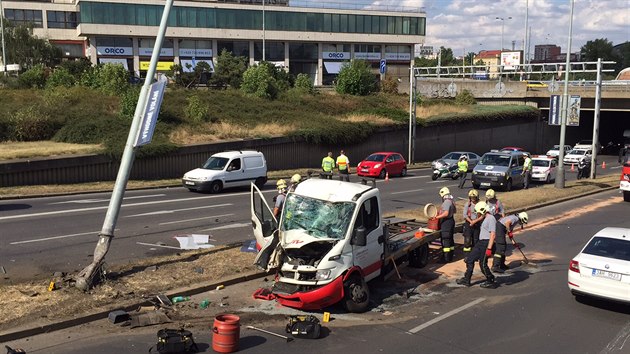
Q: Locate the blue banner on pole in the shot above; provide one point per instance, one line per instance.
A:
(383, 66)
(151, 111)
(554, 110)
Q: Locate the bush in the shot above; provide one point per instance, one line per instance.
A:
(465, 98)
(76, 68)
(196, 111)
(128, 102)
(304, 83)
(229, 70)
(60, 77)
(356, 79)
(389, 85)
(112, 79)
(30, 124)
(34, 77)
(258, 80)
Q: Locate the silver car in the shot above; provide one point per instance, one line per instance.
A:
(452, 157)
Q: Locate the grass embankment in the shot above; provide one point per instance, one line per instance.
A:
(27, 302)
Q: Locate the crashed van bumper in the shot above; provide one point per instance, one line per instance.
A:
(315, 299)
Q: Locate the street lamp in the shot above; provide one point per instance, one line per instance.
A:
(502, 25)
(263, 30)
(4, 53)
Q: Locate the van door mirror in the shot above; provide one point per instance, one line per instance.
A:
(359, 238)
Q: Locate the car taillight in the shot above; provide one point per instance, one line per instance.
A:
(574, 266)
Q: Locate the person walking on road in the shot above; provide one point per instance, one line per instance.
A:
(482, 249)
(446, 217)
(328, 164)
(278, 200)
(343, 165)
(472, 222)
(527, 171)
(462, 169)
(505, 226)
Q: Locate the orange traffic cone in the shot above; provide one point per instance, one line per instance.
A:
(604, 164)
(386, 176)
(572, 168)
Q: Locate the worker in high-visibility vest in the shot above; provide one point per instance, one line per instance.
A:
(343, 165)
(527, 171)
(462, 169)
(328, 165)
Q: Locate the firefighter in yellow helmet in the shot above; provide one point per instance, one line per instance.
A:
(482, 249)
(505, 226)
(472, 221)
(295, 180)
(447, 224)
(278, 200)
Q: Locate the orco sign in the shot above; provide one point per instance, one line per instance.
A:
(336, 55)
(120, 51)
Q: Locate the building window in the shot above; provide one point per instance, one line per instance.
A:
(62, 19)
(239, 49)
(25, 17)
(274, 51)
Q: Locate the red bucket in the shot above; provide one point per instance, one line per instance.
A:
(433, 224)
(226, 333)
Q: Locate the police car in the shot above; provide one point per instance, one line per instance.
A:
(544, 168)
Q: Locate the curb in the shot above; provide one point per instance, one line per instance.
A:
(19, 334)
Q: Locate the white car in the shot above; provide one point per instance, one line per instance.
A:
(555, 150)
(544, 169)
(574, 156)
(602, 268)
(586, 145)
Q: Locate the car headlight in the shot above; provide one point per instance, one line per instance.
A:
(206, 178)
(323, 274)
(185, 176)
(378, 165)
(475, 173)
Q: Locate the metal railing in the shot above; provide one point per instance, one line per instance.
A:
(542, 68)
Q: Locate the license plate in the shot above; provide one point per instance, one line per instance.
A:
(189, 183)
(606, 274)
(364, 170)
(485, 183)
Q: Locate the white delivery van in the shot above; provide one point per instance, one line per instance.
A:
(228, 169)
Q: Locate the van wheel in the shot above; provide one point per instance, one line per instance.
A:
(216, 187)
(419, 257)
(356, 294)
(260, 182)
(508, 186)
(626, 196)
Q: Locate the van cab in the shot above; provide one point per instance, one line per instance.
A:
(228, 169)
(499, 169)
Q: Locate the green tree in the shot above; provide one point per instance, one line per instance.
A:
(259, 81)
(112, 79)
(598, 48)
(35, 77)
(304, 83)
(229, 70)
(356, 78)
(24, 48)
(191, 77)
(60, 77)
(77, 67)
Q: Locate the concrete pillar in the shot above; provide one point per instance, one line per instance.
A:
(215, 51)
(251, 53)
(286, 56)
(136, 56)
(176, 51)
(93, 52)
(319, 79)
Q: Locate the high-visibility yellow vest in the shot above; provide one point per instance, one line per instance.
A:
(342, 162)
(328, 163)
(462, 166)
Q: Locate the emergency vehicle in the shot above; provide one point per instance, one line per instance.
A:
(624, 180)
(544, 168)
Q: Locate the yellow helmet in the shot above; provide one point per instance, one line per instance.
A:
(281, 184)
(490, 193)
(444, 191)
(523, 217)
(296, 178)
(473, 194)
(481, 207)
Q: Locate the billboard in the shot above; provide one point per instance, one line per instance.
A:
(573, 114)
(510, 60)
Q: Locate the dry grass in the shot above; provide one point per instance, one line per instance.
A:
(423, 112)
(212, 132)
(25, 149)
(372, 118)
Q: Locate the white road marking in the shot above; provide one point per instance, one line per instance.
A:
(616, 345)
(55, 237)
(88, 201)
(103, 207)
(159, 212)
(446, 315)
(413, 190)
(156, 245)
(232, 226)
(414, 177)
(195, 219)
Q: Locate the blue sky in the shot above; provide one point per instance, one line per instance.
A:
(471, 25)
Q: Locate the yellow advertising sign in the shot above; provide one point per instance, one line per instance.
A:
(161, 65)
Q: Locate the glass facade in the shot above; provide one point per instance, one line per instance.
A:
(25, 17)
(62, 19)
(237, 48)
(197, 17)
(274, 51)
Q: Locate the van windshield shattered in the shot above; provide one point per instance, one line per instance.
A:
(320, 218)
(495, 160)
(215, 163)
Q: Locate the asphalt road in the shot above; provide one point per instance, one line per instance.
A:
(532, 311)
(40, 236)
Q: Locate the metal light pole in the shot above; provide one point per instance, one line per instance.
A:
(263, 29)
(502, 26)
(4, 53)
(598, 101)
(525, 48)
(565, 105)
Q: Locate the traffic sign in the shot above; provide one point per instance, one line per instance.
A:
(151, 111)
(554, 110)
(383, 66)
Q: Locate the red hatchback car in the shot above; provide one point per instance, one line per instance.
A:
(379, 164)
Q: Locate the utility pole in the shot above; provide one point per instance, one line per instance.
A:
(565, 105)
(85, 278)
(598, 100)
(4, 52)
(525, 38)
(263, 29)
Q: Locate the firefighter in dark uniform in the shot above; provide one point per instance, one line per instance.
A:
(505, 226)
(495, 208)
(472, 221)
(446, 217)
(482, 249)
